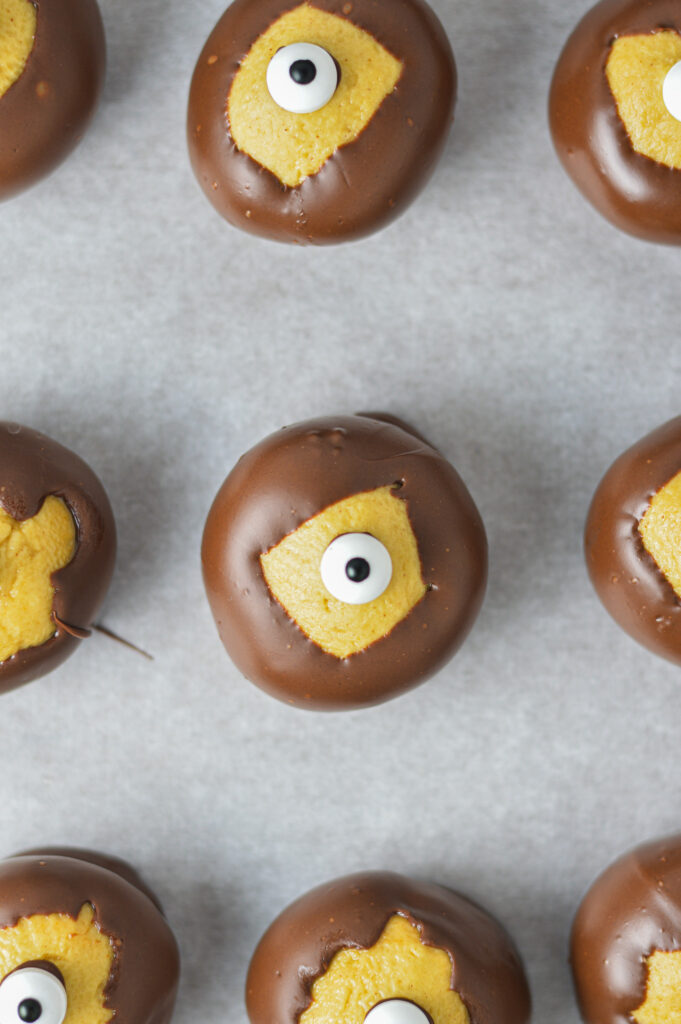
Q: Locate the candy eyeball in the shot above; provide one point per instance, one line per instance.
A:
(32, 995)
(397, 1011)
(302, 77)
(671, 91)
(356, 568)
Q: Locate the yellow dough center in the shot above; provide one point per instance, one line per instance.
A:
(17, 35)
(660, 529)
(294, 146)
(636, 70)
(30, 552)
(292, 572)
(662, 1004)
(77, 947)
(398, 966)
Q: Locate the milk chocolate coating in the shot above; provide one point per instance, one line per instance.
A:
(363, 185)
(44, 114)
(627, 578)
(33, 466)
(143, 982)
(631, 911)
(352, 912)
(635, 193)
(290, 477)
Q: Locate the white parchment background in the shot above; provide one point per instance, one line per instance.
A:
(530, 340)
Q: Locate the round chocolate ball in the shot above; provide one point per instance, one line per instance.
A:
(626, 939)
(615, 114)
(283, 551)
(58, 544)
(80, 931)
(383, 949)
(333, 154)
(632, 540)
(52, 60)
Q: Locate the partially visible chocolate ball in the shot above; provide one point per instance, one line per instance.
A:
(52, 61)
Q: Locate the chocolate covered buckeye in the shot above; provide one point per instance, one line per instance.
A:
(633, 541)
(626, 939)
(57, 553)
(83, 941)
(379, 948)
(344, 561)
(615, 114)
(52, 60)
(320, 122)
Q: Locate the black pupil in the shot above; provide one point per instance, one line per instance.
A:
(29, 1010)
(357, 569)
(303, 72)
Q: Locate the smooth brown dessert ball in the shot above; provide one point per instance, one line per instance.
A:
(320, 122)
(379, 948)
(633, 539)
(52, 60)
(57, 553)
(344, 561)
(615, 114)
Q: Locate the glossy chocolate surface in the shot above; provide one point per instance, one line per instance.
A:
(143, 981)
(631, 911)
(299, 945)
(290, 477)
(33, 466)
(366, 183)
(636, 193)
(626, 577)
(44, 114)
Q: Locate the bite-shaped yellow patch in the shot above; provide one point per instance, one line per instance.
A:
(636, 68)
(77, 947)
(30, 551)
(660, 529)
(294, 146)
(17, 34)
(398, 966)
(292, 572)
(662, 1004)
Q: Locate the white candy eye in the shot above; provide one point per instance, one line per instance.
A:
(397, 1011)
(671, 91)
(356, 568)
(302, 77)
(31, 995)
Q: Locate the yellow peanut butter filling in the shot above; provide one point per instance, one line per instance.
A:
(398, 966)
(636, 69)
(80, 951)
(662, 1004)
(294, 146)
(292, 572)
(17, 34)
(660, 529)
(30, 551)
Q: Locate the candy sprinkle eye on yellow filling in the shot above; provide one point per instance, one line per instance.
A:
(398, 966)
(83, 954)
(292, 573)
(17, 34)
(662, 1004)
(294, 146)
(660, 530)
(636, 69)
(30, 551)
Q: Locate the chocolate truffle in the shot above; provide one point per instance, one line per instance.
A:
(615, 114)
(344, 561)
(80, 934)
(320, 122)
(633, 540)
(52, 61)
(57, 552)
(626, 939)
(378, 947)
